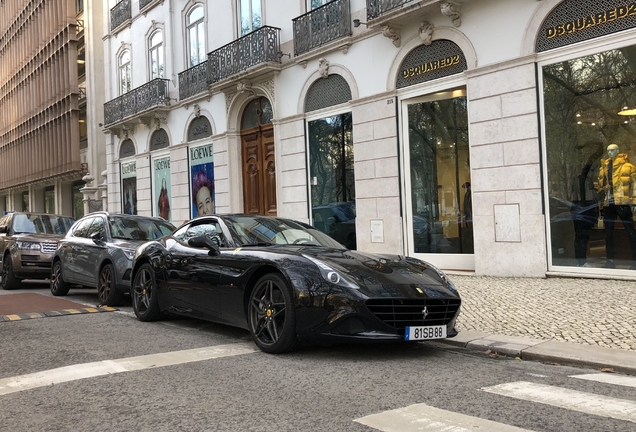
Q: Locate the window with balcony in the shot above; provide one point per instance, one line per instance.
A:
(125, 74)
(155, 55)
(79, 6)
(314, 4)
(250, 16)
(196, 36)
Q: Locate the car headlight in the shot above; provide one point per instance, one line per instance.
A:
(24, 245)
(130, 253)
(331, 275)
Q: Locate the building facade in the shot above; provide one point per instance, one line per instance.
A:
(45, 157)
(473, 134)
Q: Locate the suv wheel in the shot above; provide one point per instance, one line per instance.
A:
(58, 286)
(107, 291)
(9, 281)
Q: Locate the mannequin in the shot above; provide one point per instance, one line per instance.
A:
(617, 181)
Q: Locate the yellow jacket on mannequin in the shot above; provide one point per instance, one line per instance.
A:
(623, 180)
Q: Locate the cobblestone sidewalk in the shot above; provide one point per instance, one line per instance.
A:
(586, 311)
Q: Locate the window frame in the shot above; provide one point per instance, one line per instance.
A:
(159, 50)
(195, 25)
(239, 16)
(124, 68)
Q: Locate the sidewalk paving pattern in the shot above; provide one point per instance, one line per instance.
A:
(585, 311)
(579, 322)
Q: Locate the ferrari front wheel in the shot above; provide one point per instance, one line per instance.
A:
(271, 315)
(144, 294)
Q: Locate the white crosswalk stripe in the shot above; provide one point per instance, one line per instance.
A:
(607, 378)
(107, 367)
(422, 417)
(575, 400)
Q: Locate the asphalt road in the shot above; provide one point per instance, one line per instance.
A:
(319, 388)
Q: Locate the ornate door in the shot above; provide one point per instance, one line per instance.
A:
(259, 167)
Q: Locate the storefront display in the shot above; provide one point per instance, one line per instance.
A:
(590, 129)
(202, 180)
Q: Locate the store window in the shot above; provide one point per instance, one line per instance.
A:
(49, 200)
(590, 130)
(155, 55)
(439, 165)
(250, 16)
(196, 36)
(78, 200)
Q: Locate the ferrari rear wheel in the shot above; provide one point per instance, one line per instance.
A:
(107, 291)
(144, 294)
(271, 315)
(58, 286)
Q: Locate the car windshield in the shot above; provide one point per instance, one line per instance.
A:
(129, 228)
(258, 230)
(41, 224)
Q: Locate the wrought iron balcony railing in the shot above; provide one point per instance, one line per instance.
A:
(120, 13)
(376, 8)
(322, 25)
(147, 96)
(193, 81)
(259, 46)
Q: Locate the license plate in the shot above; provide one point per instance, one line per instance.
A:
(425, 332)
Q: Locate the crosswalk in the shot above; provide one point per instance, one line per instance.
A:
(422, 417)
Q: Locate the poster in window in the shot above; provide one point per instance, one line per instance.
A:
(129, 187)
(162, 189)
(202, 180)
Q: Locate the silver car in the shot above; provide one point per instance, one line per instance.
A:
(98, 250)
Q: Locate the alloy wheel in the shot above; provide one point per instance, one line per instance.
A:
(5, 272)
(105, 281)
(56, 276)
(142, 291)
(267, 312)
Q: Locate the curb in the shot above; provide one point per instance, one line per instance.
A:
(555, 352)
(63, 312)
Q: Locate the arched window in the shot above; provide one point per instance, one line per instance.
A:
(155, 55)
(125, 76)
(196, 36)
(250, 16)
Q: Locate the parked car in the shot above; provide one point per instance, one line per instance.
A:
(287, 282)
(98, 250)
(338, 221)
(27, 244)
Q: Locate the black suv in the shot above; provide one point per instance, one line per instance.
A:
(98, 250)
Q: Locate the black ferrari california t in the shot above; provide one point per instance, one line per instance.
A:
(288, 283)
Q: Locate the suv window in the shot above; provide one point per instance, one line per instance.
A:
(81, 230)
(97, 227)
(41, 224)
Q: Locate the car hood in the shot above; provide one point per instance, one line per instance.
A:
(386, 275)
(40, 238)
(128, 244)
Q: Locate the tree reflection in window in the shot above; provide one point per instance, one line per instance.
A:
(332, 177)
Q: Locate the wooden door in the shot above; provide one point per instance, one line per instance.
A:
(259, 170)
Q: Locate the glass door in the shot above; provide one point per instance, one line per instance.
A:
(333, 207)
(437, 167)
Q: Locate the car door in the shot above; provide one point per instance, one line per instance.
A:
(70, 251)
(194, 273)
(94, 248)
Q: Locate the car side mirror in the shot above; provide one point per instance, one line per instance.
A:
(205, 242)
(97, 238)
(4, 229)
